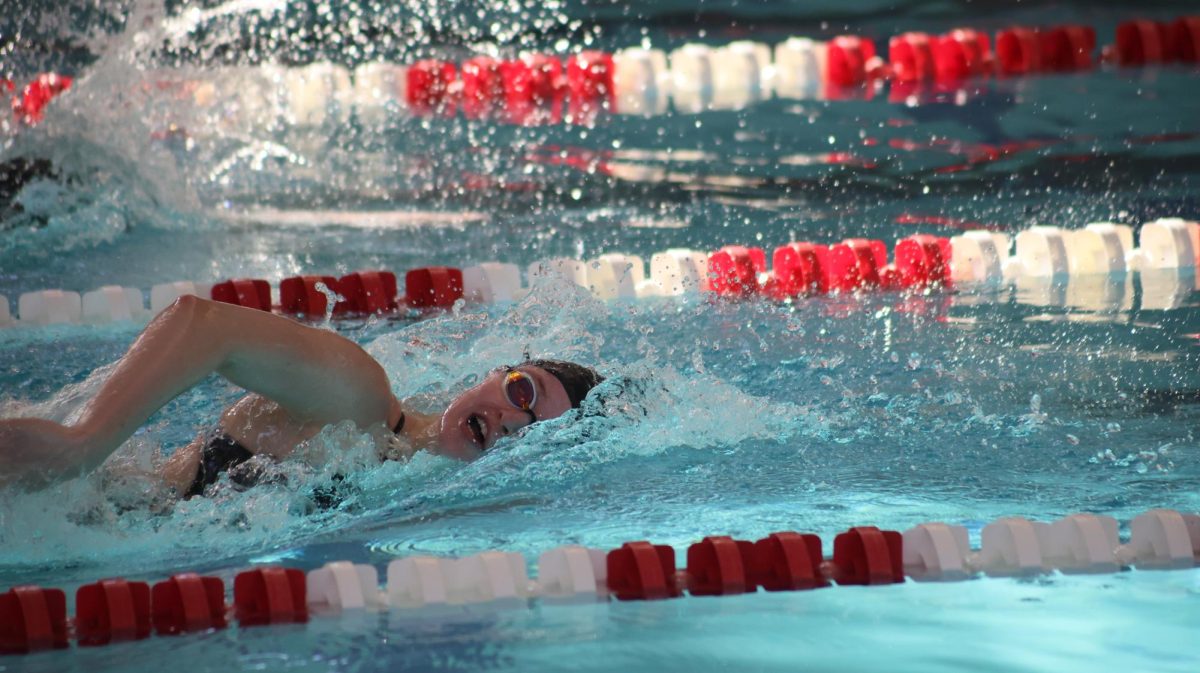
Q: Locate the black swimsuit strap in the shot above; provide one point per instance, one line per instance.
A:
(399, 425)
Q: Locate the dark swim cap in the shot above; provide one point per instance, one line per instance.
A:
(576, 379)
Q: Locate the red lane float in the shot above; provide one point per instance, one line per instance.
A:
(29, 107)
(850, 61)
(911, 57)
(640, 571)
(187, 602)
(733, 270)
(270, 596)
(112, 610)
(960, 54)
(482, 86)
(923, 260)
(534, 87)
(590, 83)
(856, 264)
(1018, 51)
(299, 295)
(367, 292)
(433, 287)
(1185, 38)
(252, 293)
(720, 566)
(430, 87)
(867, 555)
(1142, 42)
(788, 561)
(801, 268)
(1068, 48)
(32, 619)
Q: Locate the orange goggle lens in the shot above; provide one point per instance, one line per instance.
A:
(519, 390)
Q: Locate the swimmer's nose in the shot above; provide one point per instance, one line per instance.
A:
(512, 420)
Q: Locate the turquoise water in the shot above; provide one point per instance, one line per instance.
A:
(720, 417)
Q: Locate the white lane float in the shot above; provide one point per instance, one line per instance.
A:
(573, 270)
(493, 578)
(1160, 540)
(799, 68)
(113, 303)
(379, 88)
(642, 81)
(936, 551)
(1098, 248)
(49, 307)
(491, 282)
(1042, 252)
(677, 271)
(978, 257)
(1010, 547)
(1168, 244)
(572, 574)
(341, 585)
(1080, 543)
(692, 78)
(742, 74)
(615, 276)
(418, 582)
(318, 94)
(244, 99)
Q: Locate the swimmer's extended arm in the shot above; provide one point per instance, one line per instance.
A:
(315, 375)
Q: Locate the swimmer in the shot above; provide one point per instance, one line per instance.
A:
(299, 379)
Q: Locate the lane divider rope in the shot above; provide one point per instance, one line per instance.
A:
(1089, 267)
(535, 88)
(34, 618)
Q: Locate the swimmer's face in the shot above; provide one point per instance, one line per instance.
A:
(475, 421)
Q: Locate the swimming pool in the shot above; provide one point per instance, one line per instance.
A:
(739, 417)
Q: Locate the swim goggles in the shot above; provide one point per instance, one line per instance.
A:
(520, 391)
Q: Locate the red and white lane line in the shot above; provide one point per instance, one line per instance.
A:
(34, 618)
(546, 88)
(1088, 268)
(541, 88)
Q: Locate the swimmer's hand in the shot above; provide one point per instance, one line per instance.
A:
(35, 452)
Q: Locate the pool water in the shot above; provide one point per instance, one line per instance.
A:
(720, 417)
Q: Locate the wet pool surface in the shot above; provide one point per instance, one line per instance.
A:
(737, 418)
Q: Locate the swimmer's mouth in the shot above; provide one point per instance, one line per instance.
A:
(476, 425)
